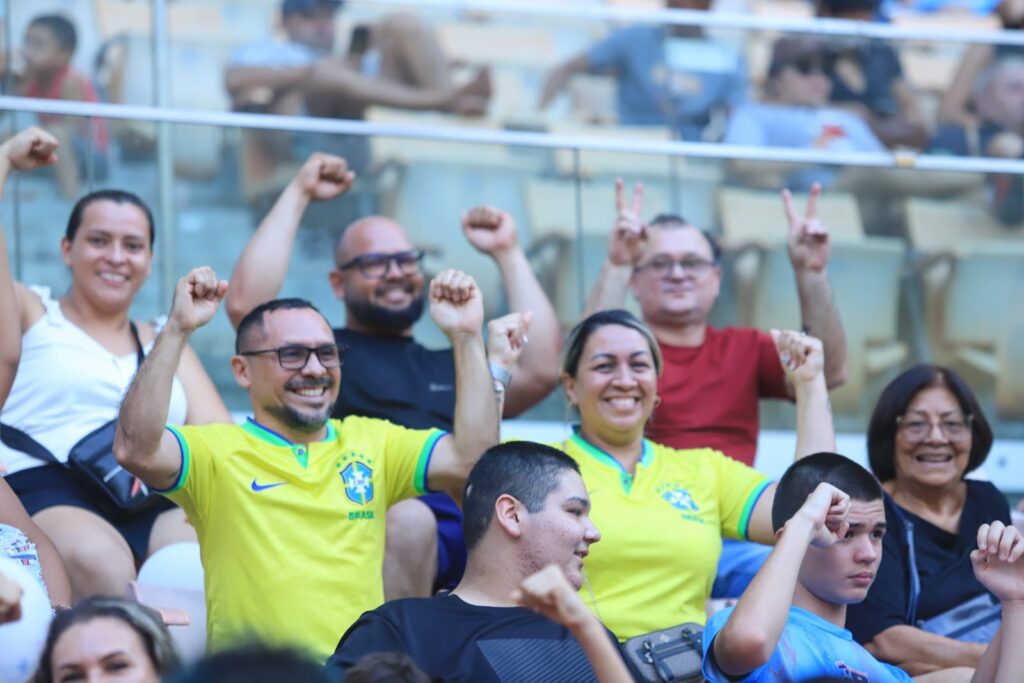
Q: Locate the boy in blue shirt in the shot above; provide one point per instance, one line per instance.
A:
(829, 521)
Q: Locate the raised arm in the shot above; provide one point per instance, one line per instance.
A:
(802, 359)
(548, 592)
(142, 445)
(263, 265)
(752, 632)
(30, 149)
(506, 340)
(997, 566)
(809, 248)
(458, 310)
(625, 246)
(493, 232)
(559, 77)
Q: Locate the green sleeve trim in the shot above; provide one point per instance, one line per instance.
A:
(748, 509)
(186, 462)
(423, 464)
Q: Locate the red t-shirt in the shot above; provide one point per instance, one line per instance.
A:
(96, 128)
(709, 393)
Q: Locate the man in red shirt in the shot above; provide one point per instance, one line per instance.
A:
(713, 378)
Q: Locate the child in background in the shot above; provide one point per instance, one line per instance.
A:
(50, 42)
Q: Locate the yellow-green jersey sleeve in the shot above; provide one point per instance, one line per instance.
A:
(191, 490)
(738, 488)
(407, 454)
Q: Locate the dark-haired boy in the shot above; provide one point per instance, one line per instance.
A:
(829, 520)
(525, 508)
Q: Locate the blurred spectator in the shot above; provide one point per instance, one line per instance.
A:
(795, 113)
(997, 131)
(665, 75)
(385, 667)
(926, 433)
(957, 104)
(75, 356)
(867, 78)
(525, 507)
(50, 42)
(253, 664)
(395, 63)
(107, 639)
(388, 375)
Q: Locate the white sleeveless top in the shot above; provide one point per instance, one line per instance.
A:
(67, 386)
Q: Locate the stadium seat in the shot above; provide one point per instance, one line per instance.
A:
(754, 226)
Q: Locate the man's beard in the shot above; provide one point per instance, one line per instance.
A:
(303, 422)
(385, 320)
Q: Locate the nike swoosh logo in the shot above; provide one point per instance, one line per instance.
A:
(264, 487)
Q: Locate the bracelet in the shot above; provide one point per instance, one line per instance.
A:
(500, 374)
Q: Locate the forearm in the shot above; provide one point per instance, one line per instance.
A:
(1004, 664)
(242, 78)
(336, 79)
(821, 319)
(140, 424)
(919, 652)
(750, 636)
(603, 656)
(537, 371)
(815, 431)
(263, 264)
(609, 291)
(476, 418)
(10, 331)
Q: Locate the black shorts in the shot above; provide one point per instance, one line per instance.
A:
(48, 486)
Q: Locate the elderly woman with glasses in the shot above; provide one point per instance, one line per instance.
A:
(926, 434)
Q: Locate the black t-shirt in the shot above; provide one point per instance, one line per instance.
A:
(880, 69)
(456, 642)
(943, 563)
(396, 379)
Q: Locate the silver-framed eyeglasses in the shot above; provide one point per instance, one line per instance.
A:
(295, 356)
(917, 429)
(375, 266)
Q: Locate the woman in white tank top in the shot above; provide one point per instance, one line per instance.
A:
(74, 357)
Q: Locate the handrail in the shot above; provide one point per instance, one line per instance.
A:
(681, 17)
(673, 148)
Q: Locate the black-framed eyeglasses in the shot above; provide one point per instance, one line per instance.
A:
(375, 266)
(917, 429)
(295, 356)
(662, 266)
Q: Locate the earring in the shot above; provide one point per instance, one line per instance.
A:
(657, 401)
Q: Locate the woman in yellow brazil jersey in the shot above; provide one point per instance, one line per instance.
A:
(663, 512)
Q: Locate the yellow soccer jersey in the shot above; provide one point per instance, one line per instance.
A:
(292, 537)
(661, 531)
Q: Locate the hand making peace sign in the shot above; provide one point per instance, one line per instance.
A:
(808, 239)
(629, 234)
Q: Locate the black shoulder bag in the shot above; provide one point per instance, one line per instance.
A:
(671, 655)
(92, 459)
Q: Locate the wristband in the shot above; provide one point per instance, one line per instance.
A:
(500, 374)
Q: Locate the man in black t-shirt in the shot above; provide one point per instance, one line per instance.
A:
(525, 508)
(387, 374)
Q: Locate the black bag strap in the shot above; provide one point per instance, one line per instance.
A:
(17, 440)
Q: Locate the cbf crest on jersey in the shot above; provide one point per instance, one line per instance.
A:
(678, 497)
(358, 480)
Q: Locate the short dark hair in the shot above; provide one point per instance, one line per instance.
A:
(803, 476)
(116, 196)
(671, 220)
(893, 403)
(578, 336)
(252, 323)
(142, 620)
(254, 663)
(61, 28)
(386, 667)
(525, 470)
